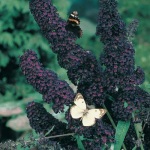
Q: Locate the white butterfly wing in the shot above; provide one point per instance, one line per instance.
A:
(76, 112)
(79, 101)
(88, 119)
(97, 113)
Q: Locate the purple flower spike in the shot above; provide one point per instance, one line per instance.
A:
(70, 55)
(93, 93)
(118, 54)
(110, 24)
(40, 78)
(61, 94)
(128, 101)
(41, 120)
(46, 82)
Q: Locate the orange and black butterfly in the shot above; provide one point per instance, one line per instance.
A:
(73, 23)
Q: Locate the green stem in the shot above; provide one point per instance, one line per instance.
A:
(50, 137)
(113, 123)
(55, 136)
(138, 135)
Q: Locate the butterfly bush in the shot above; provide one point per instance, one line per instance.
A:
(119, 79)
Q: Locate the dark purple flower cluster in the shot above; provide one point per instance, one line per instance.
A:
(118, 55)
(46, 82)
(129, 101)
(110, 24)
(40, 120)
(70, 55)
(120, 77)
(94, 92)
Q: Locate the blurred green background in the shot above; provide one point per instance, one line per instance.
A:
(19, 32)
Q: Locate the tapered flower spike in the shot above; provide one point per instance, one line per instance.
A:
(46, 82)
(70, 55)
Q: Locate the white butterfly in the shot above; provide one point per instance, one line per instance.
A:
(88, 116)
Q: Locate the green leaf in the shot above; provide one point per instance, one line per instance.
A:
(134, 148)
(6, 39)
(4, 60)
(79, 142)
(125, 104)
(121, 131)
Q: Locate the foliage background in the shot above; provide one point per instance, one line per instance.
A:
(19, 31)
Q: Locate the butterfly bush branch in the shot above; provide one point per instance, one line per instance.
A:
(82, 66)
(118, 58)
(70, 55)
(42, 122)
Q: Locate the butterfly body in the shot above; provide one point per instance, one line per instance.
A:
(73, 24)
(80, 110)
(74, 19)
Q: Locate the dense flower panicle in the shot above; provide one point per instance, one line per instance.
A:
(138, 76)
(86, 74)
(40, 78)
(61, 94)
(40, 120)
(109, 24)
(93, 93)
(119, 61)
(77, 57)
(118, 55)
(52, 26)
(46, 82)
(70, 55)
(121, 112)
(128, 101)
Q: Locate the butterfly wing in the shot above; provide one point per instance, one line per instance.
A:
(97, 113)
(88, 119)
(76, 112)
(79, 101)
